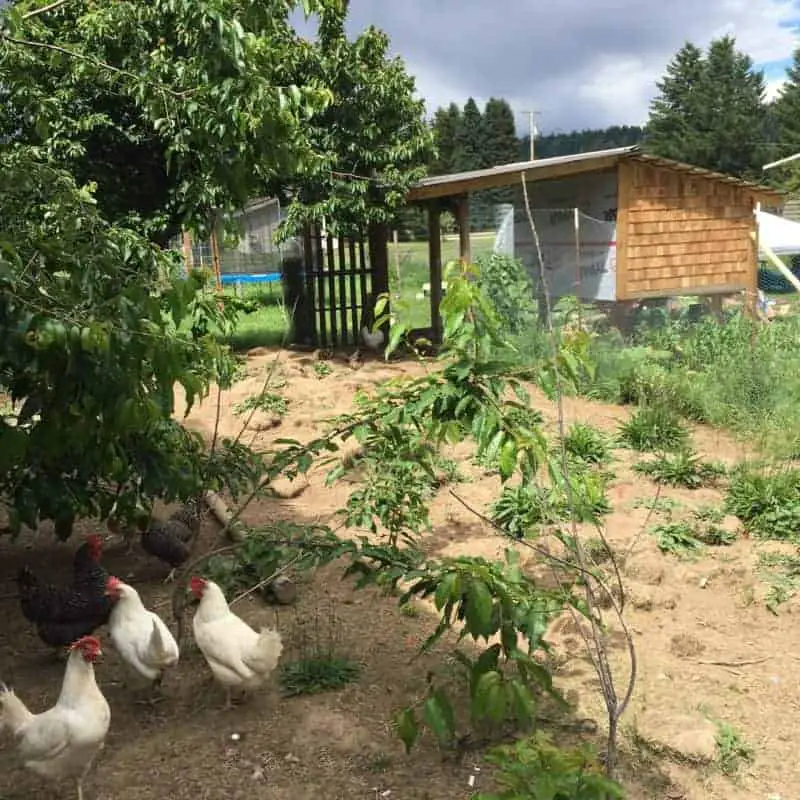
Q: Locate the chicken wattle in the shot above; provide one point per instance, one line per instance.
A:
(62, 742)
(239, 657)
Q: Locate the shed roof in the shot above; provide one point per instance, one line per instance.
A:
(438, 186)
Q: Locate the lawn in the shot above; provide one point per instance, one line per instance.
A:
(267, 323)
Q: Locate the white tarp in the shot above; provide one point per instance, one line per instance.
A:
(781, 235)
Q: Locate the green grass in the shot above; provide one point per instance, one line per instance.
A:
(267, 324)
(319, 673)
(409, 270)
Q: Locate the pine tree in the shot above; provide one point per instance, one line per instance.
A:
(469, 155)
(786, 117)
(674, 126)
(446, 124)
(710, 110)
(502, 146)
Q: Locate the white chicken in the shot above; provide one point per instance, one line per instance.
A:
(140, 636)
(373, 340)
(62, 742)
(239, 657)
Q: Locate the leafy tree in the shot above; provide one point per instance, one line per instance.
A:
(785, 112)
(94, 333)
(373, 136)
(710, 110)
(177, 109)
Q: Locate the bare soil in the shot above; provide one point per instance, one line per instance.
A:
(706, 645)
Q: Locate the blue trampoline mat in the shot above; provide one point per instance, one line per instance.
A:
(251, 277)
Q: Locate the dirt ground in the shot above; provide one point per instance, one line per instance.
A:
(706, 647)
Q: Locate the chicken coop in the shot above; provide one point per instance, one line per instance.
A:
(613, 226)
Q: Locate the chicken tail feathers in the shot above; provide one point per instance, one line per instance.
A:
(267, 652)
(13, 712)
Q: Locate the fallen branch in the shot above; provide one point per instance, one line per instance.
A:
(744, 663)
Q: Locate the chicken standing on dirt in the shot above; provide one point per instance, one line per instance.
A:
(140, 636)
(62, 742)
(239, 657)
(170, 541)
(64, 614)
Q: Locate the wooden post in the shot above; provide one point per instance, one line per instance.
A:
(462, 217)
(188, 261)
(625, 197)
(435, 267)
(215, 258)
(378, 242)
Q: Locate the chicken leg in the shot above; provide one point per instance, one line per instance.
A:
(79, 786)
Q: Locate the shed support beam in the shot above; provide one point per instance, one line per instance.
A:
(435, 267)
(462, 217)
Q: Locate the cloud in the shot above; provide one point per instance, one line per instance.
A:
(580, 63)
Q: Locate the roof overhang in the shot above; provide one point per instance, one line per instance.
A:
(441, 186)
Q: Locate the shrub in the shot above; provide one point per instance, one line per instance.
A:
(766, 500)
(587, 444)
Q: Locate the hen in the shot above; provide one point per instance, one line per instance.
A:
(64, 614)
(140, 636)
(170, 541)
(239, 657)
(62, 742)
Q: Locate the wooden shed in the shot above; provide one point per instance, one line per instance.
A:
(653, 227)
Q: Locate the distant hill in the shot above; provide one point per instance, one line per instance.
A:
(567, 144)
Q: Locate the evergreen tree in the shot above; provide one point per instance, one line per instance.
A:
(674, 126)
(446, 124)
(501, 145)
(785, 114)
(469, 155)
(710, 110)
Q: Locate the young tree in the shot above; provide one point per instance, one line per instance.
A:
(710, 110)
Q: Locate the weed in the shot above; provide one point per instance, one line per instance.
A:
(678, 538)
(659, 505)
(271, 402)
(322, 369)
(534, 767)
(448, 470)
(317, 674)
(597, 550)
(682, 468)
(319, 667)
(732, 749)
(654, 427)
(587, 444)
(782, 574)
(767, 501)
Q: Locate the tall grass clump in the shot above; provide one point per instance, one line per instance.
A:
(739, 374)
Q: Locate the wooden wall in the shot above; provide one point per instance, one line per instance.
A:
(680, 234)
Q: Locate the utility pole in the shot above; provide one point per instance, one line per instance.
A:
(532, 130)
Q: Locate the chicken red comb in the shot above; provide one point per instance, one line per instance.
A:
(92, 642)
(95, 542)
(112, 581)
(197, 584)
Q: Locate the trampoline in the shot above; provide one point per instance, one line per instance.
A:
(229, 278)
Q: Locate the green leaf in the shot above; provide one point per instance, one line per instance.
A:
(508, 459)
(522, 701)
(439, 715)
(479, 605)
(407, 727)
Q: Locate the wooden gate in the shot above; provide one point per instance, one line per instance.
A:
(341, 278)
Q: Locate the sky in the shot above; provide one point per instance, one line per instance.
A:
(579, 63)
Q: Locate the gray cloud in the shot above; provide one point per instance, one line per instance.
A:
(579, 63)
